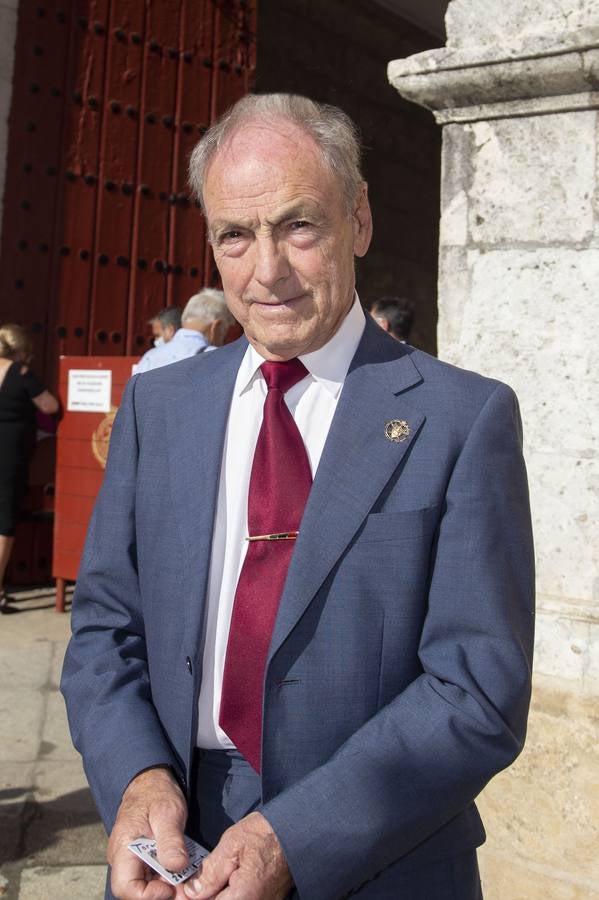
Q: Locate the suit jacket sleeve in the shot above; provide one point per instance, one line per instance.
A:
(105, 678)
(425, 756)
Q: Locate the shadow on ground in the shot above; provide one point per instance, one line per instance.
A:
(33, 829)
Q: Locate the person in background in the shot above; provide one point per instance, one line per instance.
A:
(21, 395)
(165, 324)
(205, 322)
(395, 315)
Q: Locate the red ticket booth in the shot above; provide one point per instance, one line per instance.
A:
(90, 390)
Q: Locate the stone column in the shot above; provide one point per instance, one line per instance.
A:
(8, 35)
(516, 90)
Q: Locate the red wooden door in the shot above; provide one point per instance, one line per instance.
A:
(110, 96)
(99, 231)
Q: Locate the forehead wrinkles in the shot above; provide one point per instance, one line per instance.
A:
(257, 200)
(269, 204)
(257, 160)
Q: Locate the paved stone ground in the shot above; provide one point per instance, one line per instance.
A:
(52, 844)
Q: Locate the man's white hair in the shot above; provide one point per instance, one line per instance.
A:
(331, 129)
(206, 306)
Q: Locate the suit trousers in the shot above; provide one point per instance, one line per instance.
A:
(226, 788)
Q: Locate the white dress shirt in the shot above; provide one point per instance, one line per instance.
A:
(312, 403)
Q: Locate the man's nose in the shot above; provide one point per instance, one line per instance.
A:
(271, 263)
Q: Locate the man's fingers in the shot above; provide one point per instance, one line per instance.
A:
(170, 845)
(167, 820)
(212, 877)
(129, 880)
(153, 806)
(172, 853)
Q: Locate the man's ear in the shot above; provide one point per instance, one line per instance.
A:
(216, 332)
(384, 323)
(168, 332)
(362, 218)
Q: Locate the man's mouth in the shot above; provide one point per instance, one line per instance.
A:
(289, 301)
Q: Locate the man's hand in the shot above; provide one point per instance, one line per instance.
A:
(247, 864)
(152, 805)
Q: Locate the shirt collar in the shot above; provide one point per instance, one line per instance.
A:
(186, 333)
(328, 365)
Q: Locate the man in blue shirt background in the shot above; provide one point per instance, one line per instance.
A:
(205, 322)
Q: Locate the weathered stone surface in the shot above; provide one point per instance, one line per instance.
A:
(65, 826)
(488, 22)
(567, 646)
(486, 161)
(497, 72)
(450, 81)
(68, 883)
(544, 807)
(20, 737)
(509, 155)
(529, 319)
(565, 514)
(56, 742)
(32, 673)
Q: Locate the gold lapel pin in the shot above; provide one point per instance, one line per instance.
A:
(397, 430)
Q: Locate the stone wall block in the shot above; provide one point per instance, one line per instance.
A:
(456, 182)
(567, 646)
(565, 503)
(529, 319)
(454, 286)
(489, 22)
(525, 160)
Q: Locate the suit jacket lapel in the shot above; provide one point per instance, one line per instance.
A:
(198, 420)
(357, 462)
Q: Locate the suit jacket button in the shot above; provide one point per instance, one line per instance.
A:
(188, 664)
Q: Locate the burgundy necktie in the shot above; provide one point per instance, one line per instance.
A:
(280, 482)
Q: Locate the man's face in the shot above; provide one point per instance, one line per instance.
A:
(283, 241)
(162, 334)
(156, 331)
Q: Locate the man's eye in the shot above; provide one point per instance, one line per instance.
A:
(301, 223)
(232, 235)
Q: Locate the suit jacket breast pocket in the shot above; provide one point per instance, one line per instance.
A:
(399, 526)
(389, 561)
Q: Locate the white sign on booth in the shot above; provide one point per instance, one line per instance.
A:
(89, 390)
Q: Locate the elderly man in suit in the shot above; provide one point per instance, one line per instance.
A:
(302, 628)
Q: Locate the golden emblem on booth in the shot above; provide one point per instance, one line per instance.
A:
(101, 437)
(397, 430)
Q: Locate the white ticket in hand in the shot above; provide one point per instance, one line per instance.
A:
(145, 848)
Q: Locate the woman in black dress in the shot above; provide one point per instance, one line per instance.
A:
(20, 395)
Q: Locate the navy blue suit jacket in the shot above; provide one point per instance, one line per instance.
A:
(399, 671)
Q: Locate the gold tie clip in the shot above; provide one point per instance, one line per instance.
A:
(277, 536)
